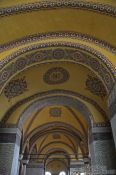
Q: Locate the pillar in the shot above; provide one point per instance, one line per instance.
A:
(102, 151)
(24, 167)
(9, 150)
(87, 168)
(112, 108)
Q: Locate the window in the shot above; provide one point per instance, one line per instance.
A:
(62, 173)
(48, 173)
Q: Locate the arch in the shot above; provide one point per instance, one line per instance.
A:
(16, 62)
(54, 93)
(57, 100)
(45, 129)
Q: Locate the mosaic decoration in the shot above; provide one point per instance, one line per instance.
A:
(56, 136)
(56, 75)
(23, 8)
(106, 70)
(59, 53)
(95, 86)
(55, 112)
(15, 88)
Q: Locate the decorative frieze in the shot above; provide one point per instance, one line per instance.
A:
(57, 35)
(24, 8)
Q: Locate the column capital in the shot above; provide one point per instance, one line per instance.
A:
(100, 135)
(101, 129)
(24, 161)
(11, 131)
(86, 160)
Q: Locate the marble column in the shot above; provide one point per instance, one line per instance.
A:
(9, 150)
(112, 108)
(24, 166)
(102, 151)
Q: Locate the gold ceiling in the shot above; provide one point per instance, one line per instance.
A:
(57, 68)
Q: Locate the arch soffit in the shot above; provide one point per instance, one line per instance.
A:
(57, 142)
(43, 142)
(72, 141)
(56, 150)
(69, 109)
(65, 94)
(17, 62)
(65, 101)
(45, 129)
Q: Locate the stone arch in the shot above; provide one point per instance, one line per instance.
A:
(57, 100)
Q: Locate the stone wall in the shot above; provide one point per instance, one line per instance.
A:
(102, 151)
(34, 170)
(9, 151)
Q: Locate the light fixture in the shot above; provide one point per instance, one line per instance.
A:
(62, 173)
(48, 173)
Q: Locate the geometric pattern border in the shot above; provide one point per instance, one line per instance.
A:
(52, 35)
(23, 8)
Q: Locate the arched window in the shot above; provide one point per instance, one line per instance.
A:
(48, 173)
(62, 173)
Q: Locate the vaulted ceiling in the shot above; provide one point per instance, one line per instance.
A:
(57, 61)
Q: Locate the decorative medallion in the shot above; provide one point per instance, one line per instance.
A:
(95, 86)
(15, 88)
(56, 75)
(56, 136)
(55, 112)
